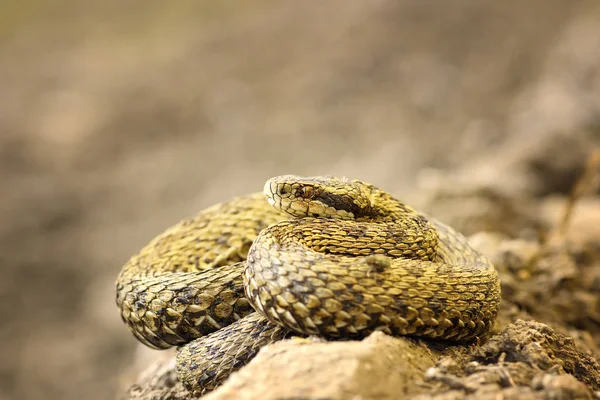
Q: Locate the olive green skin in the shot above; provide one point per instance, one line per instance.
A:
(313, 256)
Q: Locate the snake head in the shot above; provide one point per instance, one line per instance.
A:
(320, 197)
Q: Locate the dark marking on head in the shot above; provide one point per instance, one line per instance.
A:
(341, 202)
(305, 191)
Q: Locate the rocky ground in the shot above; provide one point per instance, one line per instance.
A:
(120, 119)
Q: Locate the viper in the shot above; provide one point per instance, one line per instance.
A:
(322, 256)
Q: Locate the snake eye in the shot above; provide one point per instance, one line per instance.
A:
(305, 192)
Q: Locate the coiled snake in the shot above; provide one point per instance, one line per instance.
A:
(322, 256)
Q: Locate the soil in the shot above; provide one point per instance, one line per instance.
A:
(118, 120)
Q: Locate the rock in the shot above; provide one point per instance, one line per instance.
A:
(379, 367)
(558, 387)
(527, 360)
(556, 282)
(540, 347)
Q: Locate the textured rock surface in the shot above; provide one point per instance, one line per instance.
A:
(526, 360)
(379, 367)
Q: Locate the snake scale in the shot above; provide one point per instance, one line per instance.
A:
(321, 256)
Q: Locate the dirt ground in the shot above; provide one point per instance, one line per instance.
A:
(120, 118)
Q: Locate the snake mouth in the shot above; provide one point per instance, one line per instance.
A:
(270, 190)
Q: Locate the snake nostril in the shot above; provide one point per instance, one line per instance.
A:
(284, 191)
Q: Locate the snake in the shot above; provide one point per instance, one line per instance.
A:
(323, 256)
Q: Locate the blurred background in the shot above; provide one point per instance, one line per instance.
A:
(118, 118)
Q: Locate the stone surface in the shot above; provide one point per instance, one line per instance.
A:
(379, 367)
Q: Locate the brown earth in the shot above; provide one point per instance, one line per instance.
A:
(119, 119)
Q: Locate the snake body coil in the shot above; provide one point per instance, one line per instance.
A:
(347, 259)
